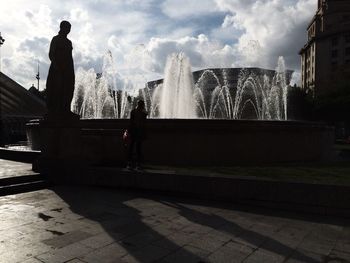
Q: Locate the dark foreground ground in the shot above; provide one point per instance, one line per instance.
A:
(91, 224)
(81, 224)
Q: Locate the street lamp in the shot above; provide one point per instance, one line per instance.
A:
(38, 76)
(2, 40)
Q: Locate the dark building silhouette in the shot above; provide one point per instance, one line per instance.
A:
(325, 58)
(17, 106)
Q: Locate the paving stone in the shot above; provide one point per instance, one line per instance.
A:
(98, 241)
(66, 239)
(232, 229)
(231, 252)
(250, 238)
(197, 229)
(276, 247)
(173, 241)
(316, 245)
(340, 256)
(219, 235)
(263, 255)
(17, 253)
(343, 242)
(108, 254)
(327, 232)
(300, 256)
(146, 254)
(188, 254)
(293, 232)
(342, 246)
(141, 239)
(64, 254)
(208, 242)
(163, 230)
(75, 260)
(32, 260)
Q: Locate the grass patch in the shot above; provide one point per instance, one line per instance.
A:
(339, 175)
(327, 175)
(342, 146)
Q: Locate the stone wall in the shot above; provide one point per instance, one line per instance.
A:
(185, 142)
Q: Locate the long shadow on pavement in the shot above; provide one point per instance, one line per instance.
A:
(149, 227)
(142, 229)
(252, 238)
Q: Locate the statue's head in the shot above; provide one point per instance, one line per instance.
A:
(65, 27)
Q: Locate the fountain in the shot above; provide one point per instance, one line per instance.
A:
(191, 122)
(211, 98)
(104, 96)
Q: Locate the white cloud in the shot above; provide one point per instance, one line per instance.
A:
(201, 51)
(142, 33)
(183, 8)
(276, 27)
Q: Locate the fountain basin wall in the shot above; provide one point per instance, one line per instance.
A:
(184, 141)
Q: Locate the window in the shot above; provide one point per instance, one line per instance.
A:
(334, 53)
(334, 41)
(347, 38)
(347, 51)
(334, 65)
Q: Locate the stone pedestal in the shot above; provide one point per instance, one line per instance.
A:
(60, 145)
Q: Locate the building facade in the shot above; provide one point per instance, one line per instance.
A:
(325, 58)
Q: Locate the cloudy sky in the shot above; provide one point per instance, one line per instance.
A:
(141, 34)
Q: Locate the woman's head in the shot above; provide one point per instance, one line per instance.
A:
(140, 104)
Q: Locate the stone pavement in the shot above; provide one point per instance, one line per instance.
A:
(83, 224)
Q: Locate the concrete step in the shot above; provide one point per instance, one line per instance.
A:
(317, 198)
(23, 183)
(21, 179)
(23, 187)
(19, 156)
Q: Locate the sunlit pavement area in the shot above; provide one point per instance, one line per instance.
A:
(14, 169)
(82, 224)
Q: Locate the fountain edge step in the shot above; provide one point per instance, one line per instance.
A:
(23, 187)
(301, 197)
(21, 179)
(19, 156)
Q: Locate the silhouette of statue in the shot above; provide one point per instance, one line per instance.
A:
(61, 78)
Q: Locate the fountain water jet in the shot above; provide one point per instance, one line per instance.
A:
(101, 95)
(176, 93)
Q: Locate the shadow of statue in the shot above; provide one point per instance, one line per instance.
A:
(61, 77)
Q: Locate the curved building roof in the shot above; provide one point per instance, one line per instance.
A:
(15, 100)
